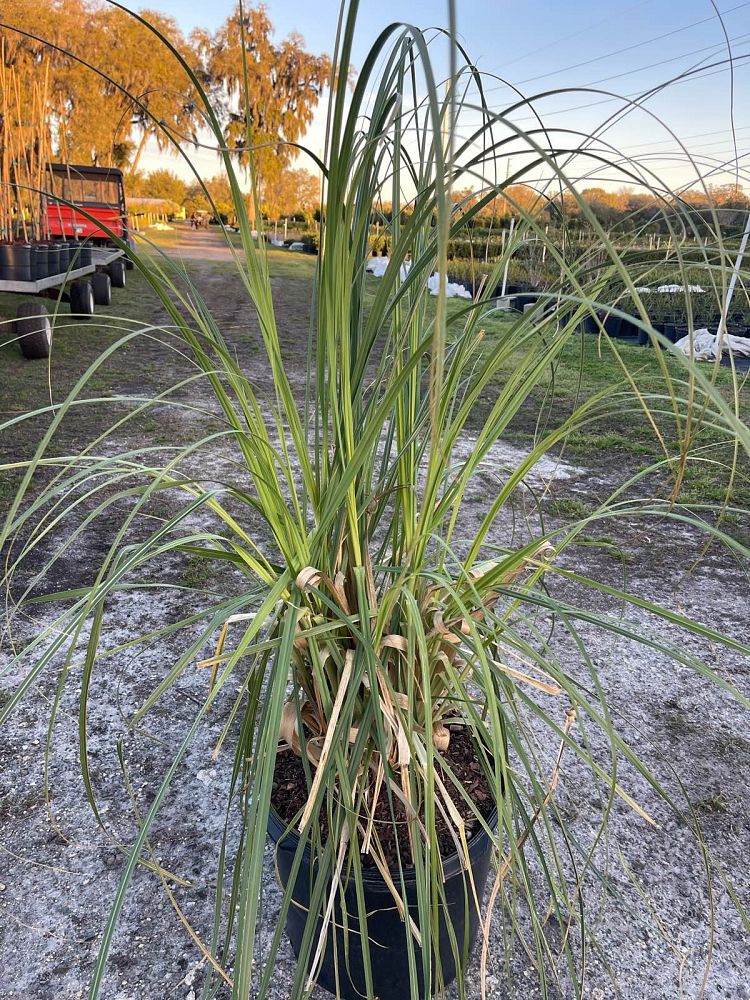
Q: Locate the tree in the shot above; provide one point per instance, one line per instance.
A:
(291, 192)
(162, 104)
(307, 187)
(96, 118)
(463, 199)
(729, 196)
(516, 199)
(163, 184)
(284, 85)
(219, 192)
(607, 206)
(195, 199)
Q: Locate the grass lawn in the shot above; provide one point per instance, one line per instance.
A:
(589, 366)
(76, 342)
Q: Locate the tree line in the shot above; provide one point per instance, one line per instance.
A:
(289, 193)
(625, 208)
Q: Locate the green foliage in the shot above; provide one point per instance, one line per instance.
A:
(570, 508)
(213, 195)
(145, 91)
(266, 89)
(164, 184)
(106, 119)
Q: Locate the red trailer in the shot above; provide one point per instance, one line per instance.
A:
(98, 190)
(86, 264)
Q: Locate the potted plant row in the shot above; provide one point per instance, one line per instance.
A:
(671, 320)
(35, 261)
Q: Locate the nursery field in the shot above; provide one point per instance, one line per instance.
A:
(694, 737)
(589, 366)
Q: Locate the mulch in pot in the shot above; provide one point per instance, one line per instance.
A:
(290, 792)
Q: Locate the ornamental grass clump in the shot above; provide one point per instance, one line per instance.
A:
(378, 631)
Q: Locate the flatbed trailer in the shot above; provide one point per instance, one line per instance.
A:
(32, 326)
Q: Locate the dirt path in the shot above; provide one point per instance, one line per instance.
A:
(59, 870)
(185, 243)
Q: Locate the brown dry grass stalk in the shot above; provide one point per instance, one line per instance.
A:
(24, 151)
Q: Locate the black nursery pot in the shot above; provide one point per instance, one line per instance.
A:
(590, 324)
(6, 256)
(39, 262)
(77, 253)
(629, 329)
(54, 265)
(667, 329)
(15, 262)
(389, 956)
(612, 325)
(65, 255)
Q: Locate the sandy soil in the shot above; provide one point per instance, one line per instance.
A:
(59, 869)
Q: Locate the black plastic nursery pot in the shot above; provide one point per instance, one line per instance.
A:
(39, 259)
(53, 260)
(612, 325)
(629, 329)
(15, 262)
(666, 329)
(386, 933)
(65, 255)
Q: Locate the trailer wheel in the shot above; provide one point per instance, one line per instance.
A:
(33, 330)
(102, 286)
(81, 298)
(117, 273)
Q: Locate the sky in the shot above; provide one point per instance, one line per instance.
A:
(622, 46)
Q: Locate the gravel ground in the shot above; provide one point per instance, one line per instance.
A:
(650, 902)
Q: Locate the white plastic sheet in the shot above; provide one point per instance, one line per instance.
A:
(377, 266)
(706, 346)
(452, 289)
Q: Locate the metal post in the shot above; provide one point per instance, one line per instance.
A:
(732, 282)
(510, 240)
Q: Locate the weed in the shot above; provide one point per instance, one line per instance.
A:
(197, 574)
(712, 804)
(569, 508)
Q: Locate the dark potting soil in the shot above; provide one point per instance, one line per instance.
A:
(290, 791)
